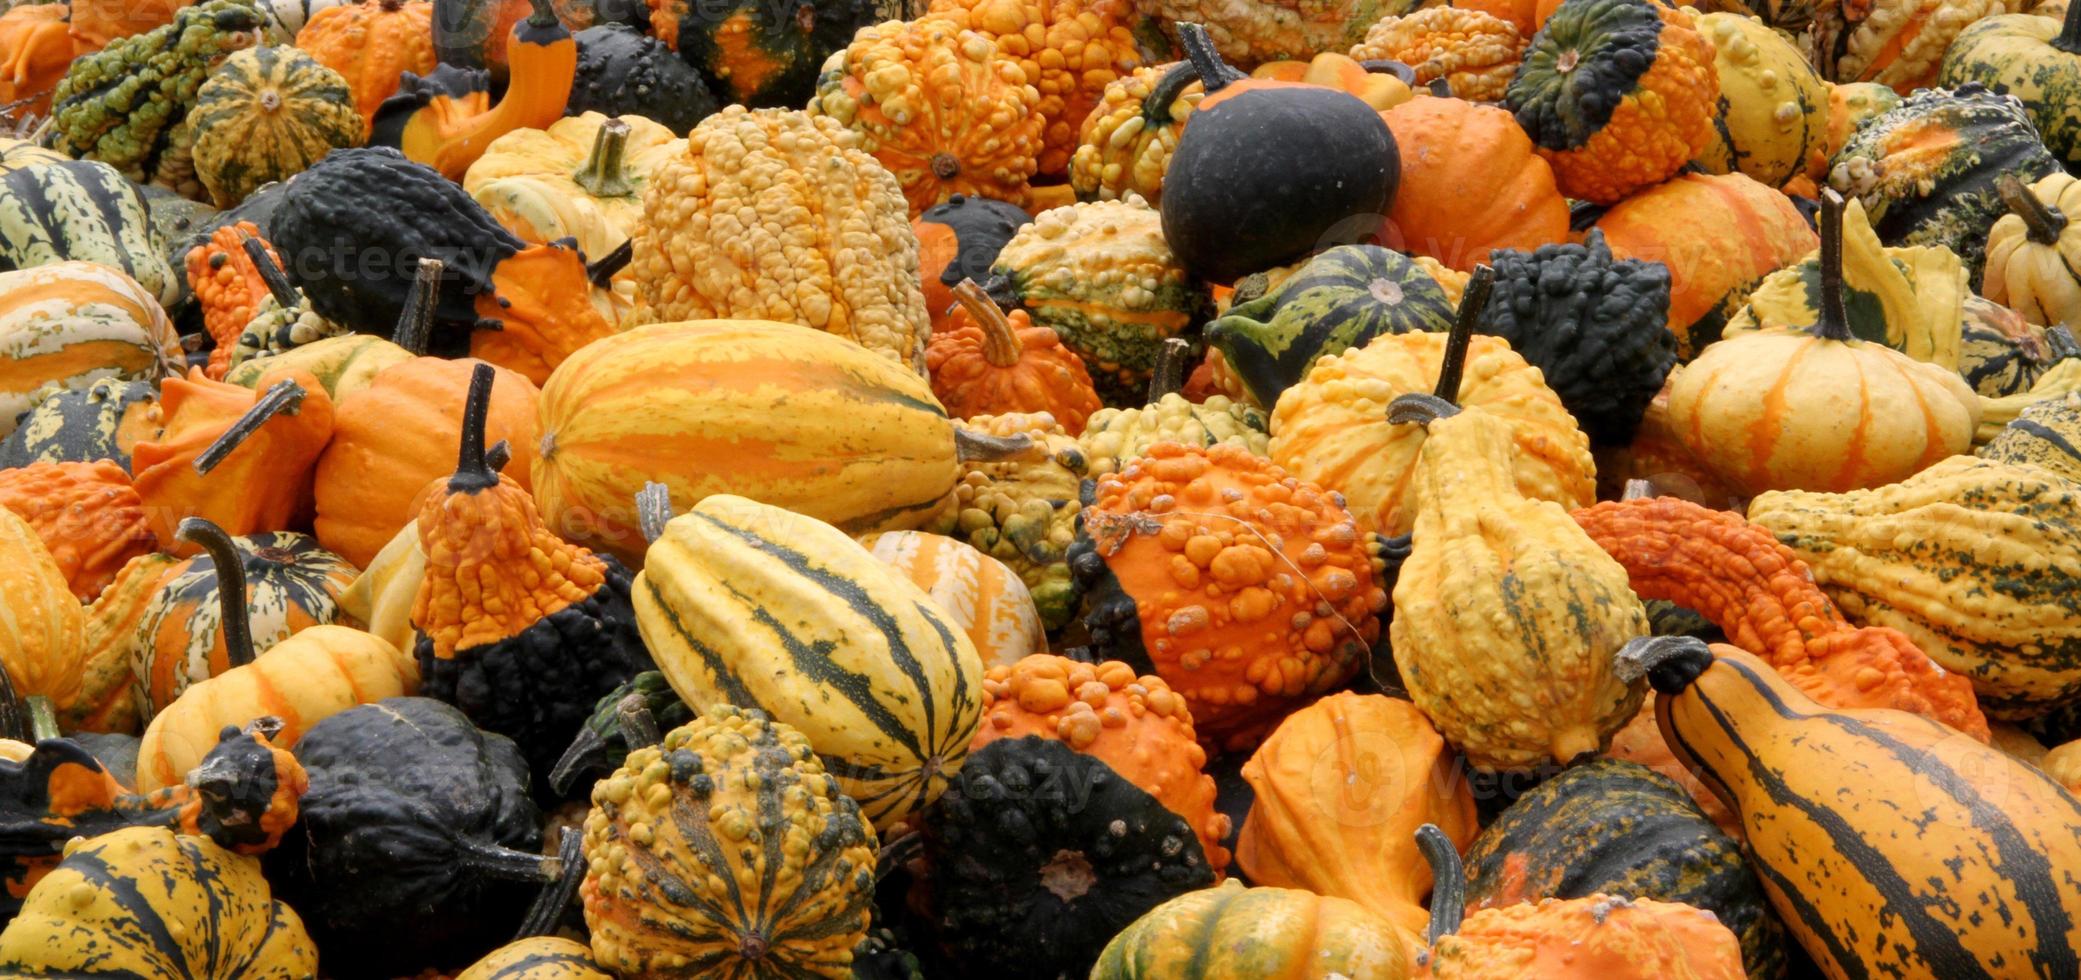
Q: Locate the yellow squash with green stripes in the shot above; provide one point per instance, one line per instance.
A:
(1891, 845)
(537, 958)
(751, 605)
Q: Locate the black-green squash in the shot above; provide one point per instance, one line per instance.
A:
(100, 421)
(1619, 828)
(2046, 435)
(86, 211)
(1340, 299)
(760, 54)
(1999, 352)
(1596, 327)
(418, 844)
(1320, 170)
(266, 114)
(2032, 57)
(602, 743)
(623, 72)
(1926, 168)
(1039, 855)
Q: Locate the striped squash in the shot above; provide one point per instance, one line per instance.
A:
(101, 421)
(1890, 844)
(775, 412)
(537, 958)
(41, 625)
(979, 593)
(16, 154)
(343, 365)
(751, 605)
(108, 685)
(281, 19)
(72, 324)
(268, 114)
(146, 902)
(83, 210)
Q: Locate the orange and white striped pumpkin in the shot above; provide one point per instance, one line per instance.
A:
(74, 323)
(42, 626)
(979, 593)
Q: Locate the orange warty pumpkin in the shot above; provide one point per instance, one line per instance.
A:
(228, 287)
(239, 457)
(88, 515)
(1136, 725)
(1473, 51)
(1470, 184)
(992, 363)
(1069, 50)
(372, 43)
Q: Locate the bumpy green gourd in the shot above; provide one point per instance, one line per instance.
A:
(1023, 511)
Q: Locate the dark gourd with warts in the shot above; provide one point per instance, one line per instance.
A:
(417, 842)
(1321, 170)
(2033, 57)
(623, 72)
(519, 629)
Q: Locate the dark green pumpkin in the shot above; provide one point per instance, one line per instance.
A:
(1264, 176)
(2000, 353)
(1339, 300)
(1620, 828)
(622, 72)
(1916, 197)
(1039, 855)
(1595, 326)
(418, 845)
(100, 421)
(762, 54)
(2035, 58)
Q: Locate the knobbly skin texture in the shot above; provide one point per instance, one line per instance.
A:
(1125, 143)
(1474, 52)
(1023, 511)
(1593, 938)
(778, 215)
(1114, 437)
(1072, 53)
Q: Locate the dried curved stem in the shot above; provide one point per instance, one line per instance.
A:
(271, 273)
(1001, 345)
(285, 397)
(473, 470)
(1835, 318)
(230, 566)
(1670, 663)
(1448, 882)
(1452, 366)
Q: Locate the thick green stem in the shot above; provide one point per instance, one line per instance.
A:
(271, 273)
(415, 326)
(473, 471)
(1448, 882)
(1835, 319)
(604, 173)
(230, 566)
(2042, 223)
(588, 750)
(284, 398)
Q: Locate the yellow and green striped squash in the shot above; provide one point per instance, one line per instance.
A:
(1890, 844)
(1773, 108)
(343, 365)
(268, 114)
(85, 211)
(537, 958)
(783, 414)
(71, 324)
(2032, 57)
(751, 605)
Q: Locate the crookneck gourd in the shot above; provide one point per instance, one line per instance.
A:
(521, 630)
(446, 120)
(1764, 598)
(1973, 559)
(1837, 846)
(869, 668)
(1246, 589)
(1506, 613)
(727, 850)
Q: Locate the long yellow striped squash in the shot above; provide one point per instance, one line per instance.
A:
(780, 413)
(759, 607)
(1891, 845)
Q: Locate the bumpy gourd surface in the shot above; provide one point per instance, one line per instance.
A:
(1071, 52)
(1114, 437)
(1584, 939)
(1125, 144)
(1475, 52)
(1023, 511)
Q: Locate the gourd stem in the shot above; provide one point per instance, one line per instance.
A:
(1156, 108)
(639, 728)
(549, 905)
(230, 566)
(604, 174)
(1168, 378)
(415, 326)
(43, 718)
(490, 859)
(2069, 39)
(1214, 74)
(1452, 365)
(1835, 320)
(653, 510)
(1419, 408)
(971, 446)
(1670, 663)
(587, 750)
(500, 453)
(14, 715)
(284, 398)
(2042, 223)
(473, 471)
(1638, 490)
(544, 15)
(895, 852)
(601, 271)
(1388, 66)
(1448, 882)
(270, 272)
(2060, 341)
(1001, 345)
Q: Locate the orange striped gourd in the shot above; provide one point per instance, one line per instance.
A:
(74, 323)
(980, 594)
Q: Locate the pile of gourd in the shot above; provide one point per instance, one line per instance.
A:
(1040, 489)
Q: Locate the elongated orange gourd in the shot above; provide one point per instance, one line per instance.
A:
(446, 119)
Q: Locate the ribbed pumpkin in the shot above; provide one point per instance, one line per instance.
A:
(1247, 590)
(75, 323)
(699, 398)
(1837, 845)
(580, 173)
(1332, 429)
(1069, 50)
(1473, 51)
(87, 514)
(266, 114)
(1773, 110)
(1268, 933)
(220, 435)
(979, 593)
(886, 689)
(1136, 725)
(1341, 787)
(43, 634)
(396, 436)
(664, 895)
(372, 43)
(1470, 183)
(1617, 828)
(104, 420)
(1616, 94)
(939, 107)
(2027, 268)
(983, 361)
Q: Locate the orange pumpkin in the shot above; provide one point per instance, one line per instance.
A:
(990, 363)
(228, 287)
(1470, 184)
(239, 457)
(97, 22)
(35, 51)
(372, 43)
(1069, 50)
(89, 517)
(1136, 725)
